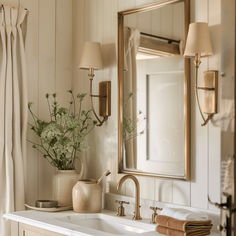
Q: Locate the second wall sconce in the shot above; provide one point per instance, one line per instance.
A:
(92, 60)
(199, 45)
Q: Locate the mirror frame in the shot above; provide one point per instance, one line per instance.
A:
(187, 97)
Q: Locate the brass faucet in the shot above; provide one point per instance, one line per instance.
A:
(137, 195)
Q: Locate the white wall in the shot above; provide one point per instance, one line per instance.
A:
(49, 65)
(97, 21)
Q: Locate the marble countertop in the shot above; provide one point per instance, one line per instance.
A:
(50, 221)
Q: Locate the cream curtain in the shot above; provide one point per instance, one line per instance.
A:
(13, 112)
(131, 43)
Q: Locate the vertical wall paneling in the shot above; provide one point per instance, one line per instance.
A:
(47, 81)
(63, 50)
(49, 66)
(112, 58)
(181, 193)
(109, 39)
(167, 24)
(227, 65)
(144, 23)
(78, 22)
(199, 153)
(181, 190)
(215, 132)
(80, 77)
(156, 22)
(123, 4)
(163, 190)
(178, 21)
(89, 35)
(32, 55)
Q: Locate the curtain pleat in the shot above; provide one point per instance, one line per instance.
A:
(131, 43)
(13, 113)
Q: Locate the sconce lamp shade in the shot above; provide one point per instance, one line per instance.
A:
(198, 40)
(91, 56)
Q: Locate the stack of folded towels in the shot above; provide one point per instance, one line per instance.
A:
(181, 222)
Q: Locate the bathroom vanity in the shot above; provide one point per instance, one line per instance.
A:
(20, 229)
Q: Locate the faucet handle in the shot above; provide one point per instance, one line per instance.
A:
(121, 209)
(155, 209)
(122, 202)
(154, 214)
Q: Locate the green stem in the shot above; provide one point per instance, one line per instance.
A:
(55, 109)
(72, 95)
(80, 105)
(69, 109)
(48, 154)
(49, 108)
(33, 116)
(73, 160)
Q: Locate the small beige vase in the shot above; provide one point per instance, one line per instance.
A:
(63, 182)
(87, 196)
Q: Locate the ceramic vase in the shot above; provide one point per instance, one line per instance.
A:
(87, 197)
(63, 182)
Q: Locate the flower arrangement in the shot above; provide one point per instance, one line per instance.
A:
(64, 134)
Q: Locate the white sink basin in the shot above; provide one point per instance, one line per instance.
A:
(111, 225)
(70, 223)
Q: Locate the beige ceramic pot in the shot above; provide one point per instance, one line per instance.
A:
(87, 196)
(63, 182)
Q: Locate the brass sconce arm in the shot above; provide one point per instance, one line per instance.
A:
(104, 98)
(100, 121)
(197, 63)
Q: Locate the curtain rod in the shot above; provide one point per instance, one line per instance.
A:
(159, 37)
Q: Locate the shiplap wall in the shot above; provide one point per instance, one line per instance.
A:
(49, 65)
(97, 21)
(49, 49)
(166, 22)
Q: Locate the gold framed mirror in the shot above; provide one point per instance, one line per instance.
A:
(154, 90)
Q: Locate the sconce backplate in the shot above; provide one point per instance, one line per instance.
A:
(210, 81)
(105, 98)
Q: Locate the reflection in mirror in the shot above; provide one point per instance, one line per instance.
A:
(155, 94)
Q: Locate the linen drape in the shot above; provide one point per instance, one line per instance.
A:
(13, 112)
(131, 43)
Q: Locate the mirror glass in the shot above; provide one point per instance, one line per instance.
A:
(155, 94)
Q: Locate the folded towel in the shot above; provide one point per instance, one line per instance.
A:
(183, 225)
(183, 214)
(172, 232)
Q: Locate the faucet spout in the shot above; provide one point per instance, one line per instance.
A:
(137, 194)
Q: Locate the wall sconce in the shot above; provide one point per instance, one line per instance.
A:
(92, 60)
(199, 45)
